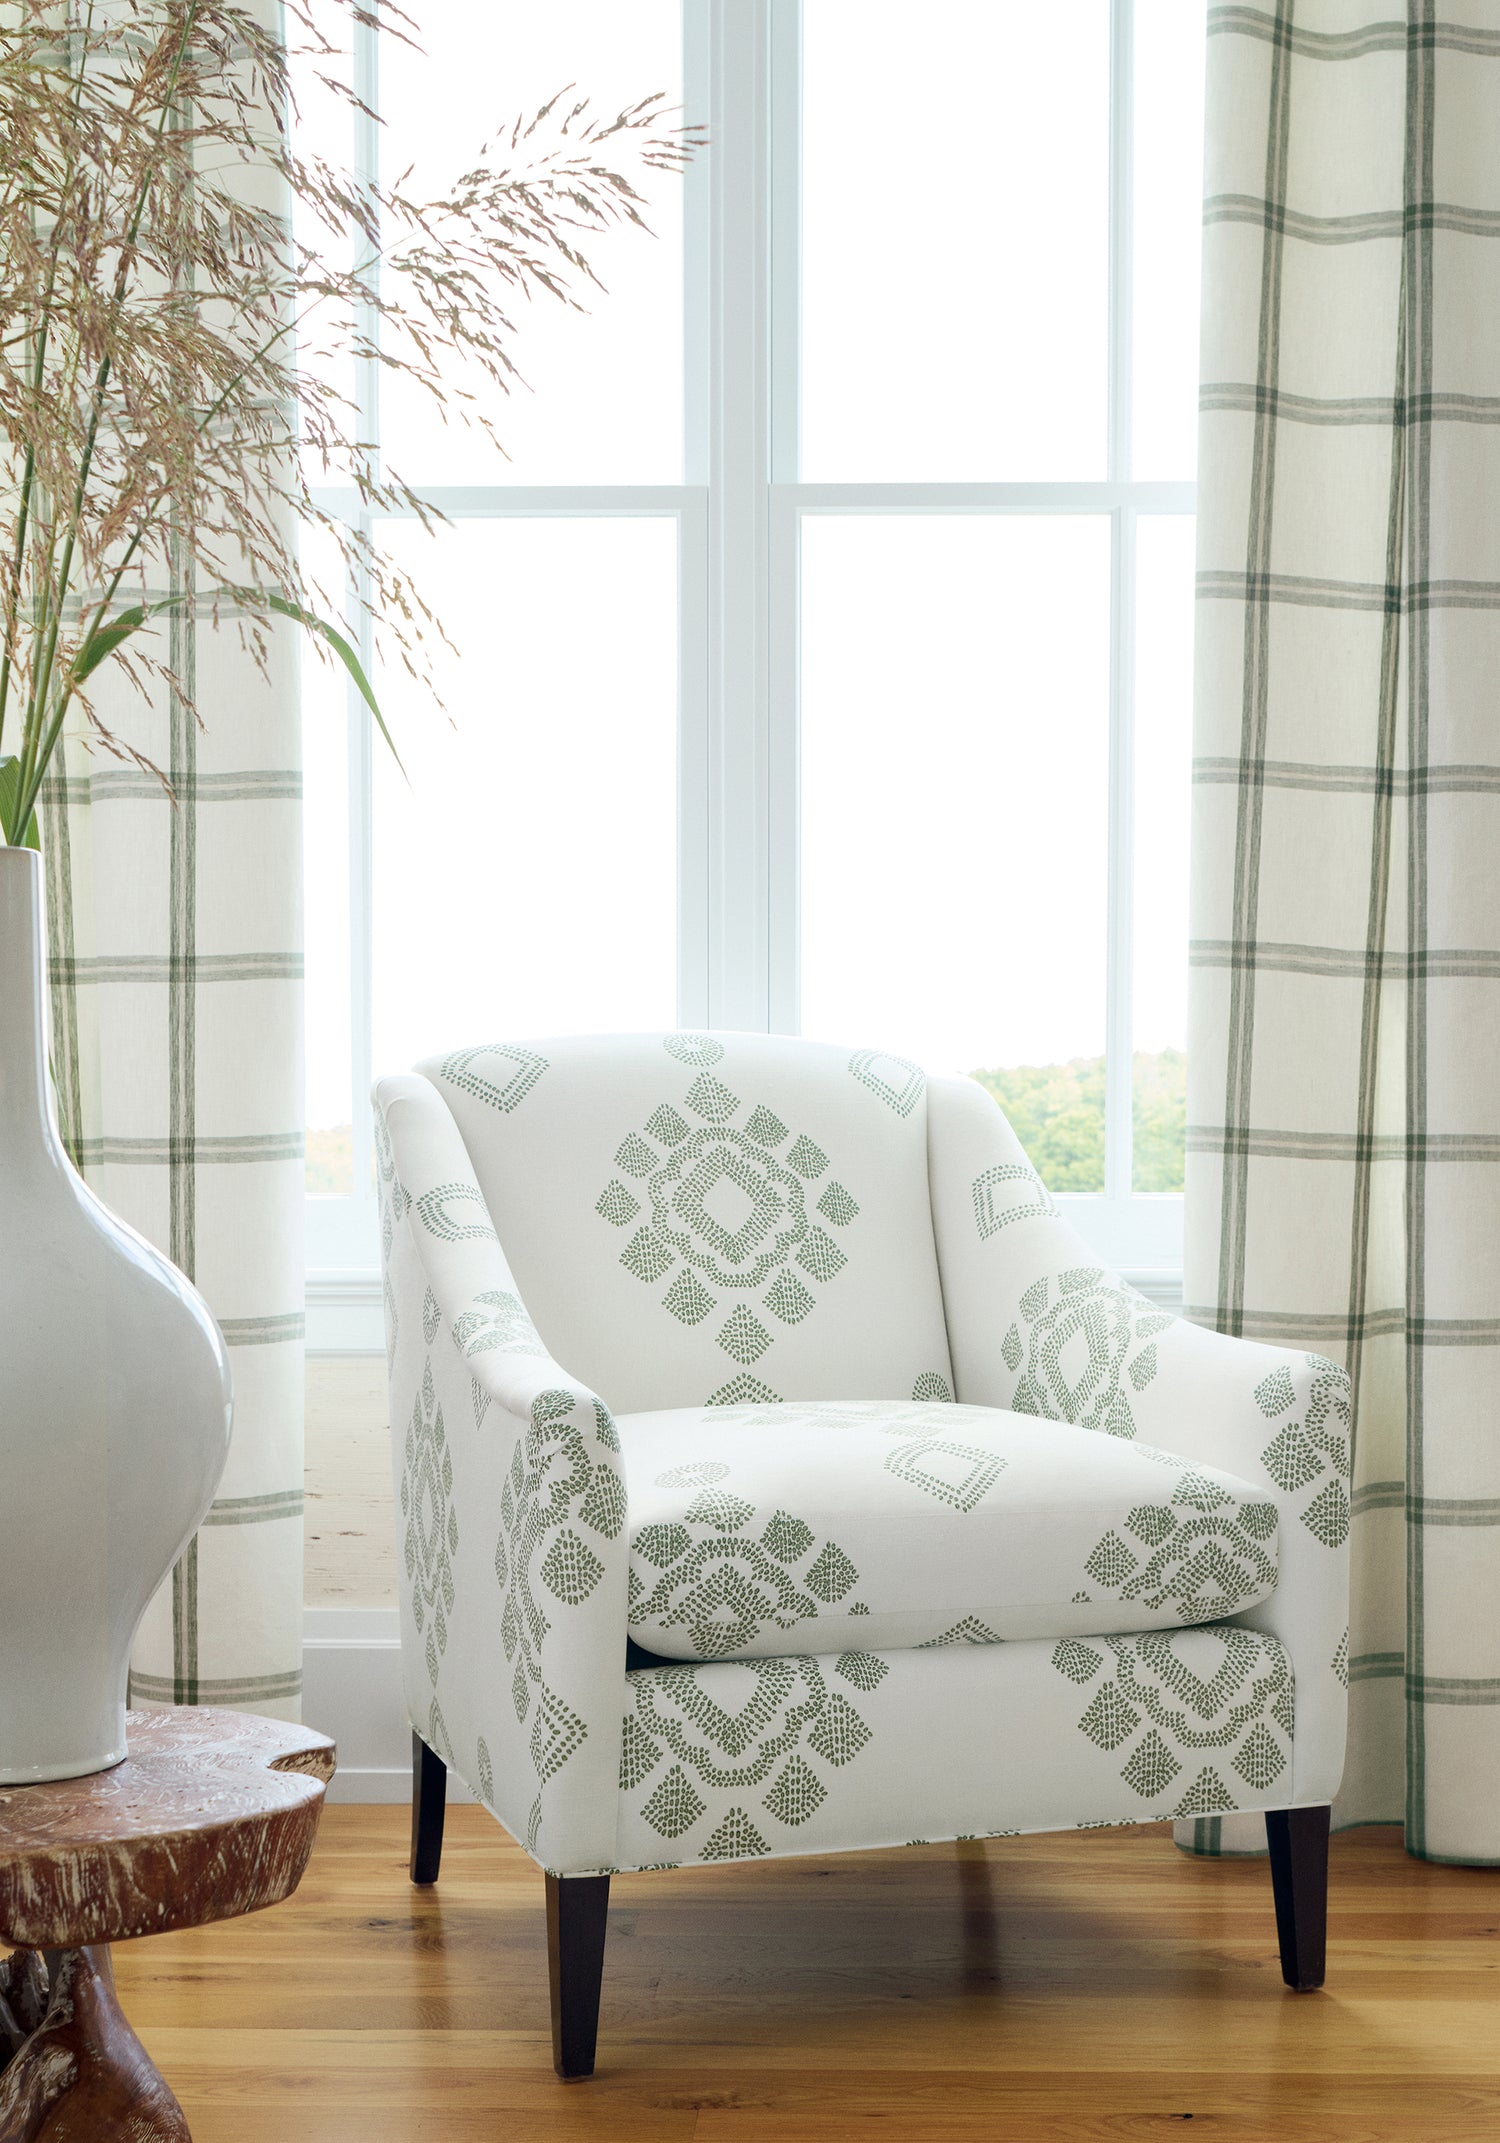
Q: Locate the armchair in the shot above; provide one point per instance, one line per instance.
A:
(778, 1473)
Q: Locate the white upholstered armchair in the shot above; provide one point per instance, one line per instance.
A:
(778, 1474)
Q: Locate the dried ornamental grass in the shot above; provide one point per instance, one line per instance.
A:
(156, 426)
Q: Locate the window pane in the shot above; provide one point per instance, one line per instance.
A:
(1163, 784)
(955, 712)
(1169, 45)
(955, 240)
(525, 880)
(325, 884)
(602, 399)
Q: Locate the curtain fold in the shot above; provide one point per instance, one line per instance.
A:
(175, 941)
(1343, 1185)
(175, 935)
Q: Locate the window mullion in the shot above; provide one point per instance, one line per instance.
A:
(694, 1007)
(739, 470)
(1119, 987)
(693, 996)
(1121, 221)
(784, 595)
(361, 740)
(1119, 993)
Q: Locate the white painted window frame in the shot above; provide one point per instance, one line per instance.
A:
(739, 515)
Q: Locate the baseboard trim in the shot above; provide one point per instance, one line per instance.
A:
(345, 1315)
(371, 1788)
(351, 1690)
(329, 1627)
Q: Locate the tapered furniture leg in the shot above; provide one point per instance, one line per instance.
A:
(577, 1909)
(1298, 1839)
(429, 1794)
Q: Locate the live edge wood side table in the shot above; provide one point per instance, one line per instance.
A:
(211, 1814)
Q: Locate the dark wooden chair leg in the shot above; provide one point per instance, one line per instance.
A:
(1298, 1839)
(577, 1910)
(429, 1793)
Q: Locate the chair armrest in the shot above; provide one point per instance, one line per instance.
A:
(1036, 1324)
(1280, 1418)
(513, 1578)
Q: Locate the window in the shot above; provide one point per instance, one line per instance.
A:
(823, 652)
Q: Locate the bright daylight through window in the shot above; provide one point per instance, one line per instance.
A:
(821, 657)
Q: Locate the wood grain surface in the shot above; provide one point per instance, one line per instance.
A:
(80, 2075)
(211, 1814)
(1094, 1987)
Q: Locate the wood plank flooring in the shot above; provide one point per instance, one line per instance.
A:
(1093, 1987)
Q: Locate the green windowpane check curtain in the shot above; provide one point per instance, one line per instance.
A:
(175, 939)
(175, 934)
(1344, 1103)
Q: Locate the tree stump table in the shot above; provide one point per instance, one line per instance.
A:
(211, 1814)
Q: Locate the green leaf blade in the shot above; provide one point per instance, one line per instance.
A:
(104, 639)
(341, 647)
(10, 797)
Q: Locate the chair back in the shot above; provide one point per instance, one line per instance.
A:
(711, 1218)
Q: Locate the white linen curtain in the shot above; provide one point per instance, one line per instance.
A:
(175, 939)
(1343, 1185)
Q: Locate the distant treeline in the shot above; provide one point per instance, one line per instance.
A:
(1057, 1112)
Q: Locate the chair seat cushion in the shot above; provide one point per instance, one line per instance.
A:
(809, 1527)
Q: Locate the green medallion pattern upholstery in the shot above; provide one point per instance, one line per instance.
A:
(707, 1220)
(757, 1530)
(780, 1362)
(740, 1759)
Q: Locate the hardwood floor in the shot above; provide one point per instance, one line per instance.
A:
(1092, 1987)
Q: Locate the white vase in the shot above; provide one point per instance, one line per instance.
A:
(114, 1407)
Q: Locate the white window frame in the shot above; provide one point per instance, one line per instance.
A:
(739, 515)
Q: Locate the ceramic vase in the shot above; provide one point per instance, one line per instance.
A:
(114, 1407)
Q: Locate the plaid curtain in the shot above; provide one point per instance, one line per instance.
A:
(175, 939)
(1343, 1190)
